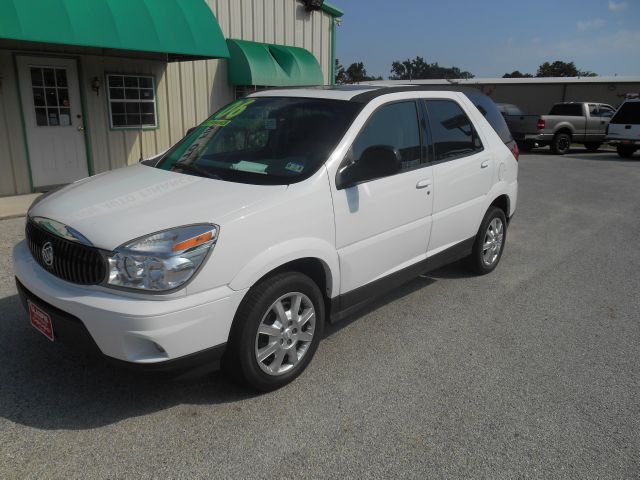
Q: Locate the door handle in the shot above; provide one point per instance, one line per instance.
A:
(423, 183)
(484, 164)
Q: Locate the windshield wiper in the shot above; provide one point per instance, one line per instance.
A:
(190, 167)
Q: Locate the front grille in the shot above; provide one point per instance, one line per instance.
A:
(73, 262)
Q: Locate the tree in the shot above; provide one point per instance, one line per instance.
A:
(419, 69)
(354, 73)
(562, 69)
(517, 74)
(341, 75)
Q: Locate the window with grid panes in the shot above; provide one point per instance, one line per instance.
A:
(132, 101)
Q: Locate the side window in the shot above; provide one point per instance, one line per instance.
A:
(452, 132)
(605, 111)
(396, 125)
(593, 109)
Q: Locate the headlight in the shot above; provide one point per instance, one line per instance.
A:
(162, 261)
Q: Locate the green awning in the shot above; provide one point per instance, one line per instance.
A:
(179, 28)
(269, 65)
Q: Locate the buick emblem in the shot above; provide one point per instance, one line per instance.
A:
(47, 254)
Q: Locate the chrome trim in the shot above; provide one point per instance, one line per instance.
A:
(61, 230)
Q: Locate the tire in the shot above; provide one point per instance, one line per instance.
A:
(284, 347)
(625, 151)
(488, 247)
(561, 143)
(592, 146)
(526, 146)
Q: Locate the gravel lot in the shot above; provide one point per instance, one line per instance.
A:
(532, 371)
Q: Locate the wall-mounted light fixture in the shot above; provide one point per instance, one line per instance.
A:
(311, 5)
(95, 85)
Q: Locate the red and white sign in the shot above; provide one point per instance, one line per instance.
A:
(41, 320)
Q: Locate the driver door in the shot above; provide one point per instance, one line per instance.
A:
(383, 225)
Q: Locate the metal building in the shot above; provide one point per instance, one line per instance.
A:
(86, 87)
(537, 95)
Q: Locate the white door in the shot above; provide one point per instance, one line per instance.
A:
(462, 175)
(383, 225)
(53, 119)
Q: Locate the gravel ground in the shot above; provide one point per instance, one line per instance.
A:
(531, 371)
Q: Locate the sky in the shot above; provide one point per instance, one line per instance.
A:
(492, 37)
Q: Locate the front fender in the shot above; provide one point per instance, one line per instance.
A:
(288, 251)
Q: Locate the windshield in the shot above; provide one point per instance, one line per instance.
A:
(264, 140)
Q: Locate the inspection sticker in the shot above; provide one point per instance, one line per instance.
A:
(294, 167)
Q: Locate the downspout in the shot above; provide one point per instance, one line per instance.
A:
(332, 67)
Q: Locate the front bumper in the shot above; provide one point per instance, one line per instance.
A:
(151, 331)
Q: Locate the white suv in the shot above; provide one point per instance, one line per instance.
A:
(284, 210)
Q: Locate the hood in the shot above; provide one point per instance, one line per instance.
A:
(118, 206)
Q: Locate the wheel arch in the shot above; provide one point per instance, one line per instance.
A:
(564, 129)
(313, 257)
(503, 203)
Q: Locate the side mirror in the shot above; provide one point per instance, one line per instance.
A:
(376, 161)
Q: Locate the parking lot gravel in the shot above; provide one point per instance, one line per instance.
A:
(529, 372)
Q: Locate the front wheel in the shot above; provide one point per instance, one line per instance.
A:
(561, 144)
(276, 331)
(489, 243)
(625, 151)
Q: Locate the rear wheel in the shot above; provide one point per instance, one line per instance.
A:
(561, 143)
(489, 243)
(276, 331)
(592, 146)
(625, 151)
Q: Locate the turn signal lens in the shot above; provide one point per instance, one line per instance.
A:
(193, 242)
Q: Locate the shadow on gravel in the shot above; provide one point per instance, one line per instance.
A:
(49, 386)
(604, 157)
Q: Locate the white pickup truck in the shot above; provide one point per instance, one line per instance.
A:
(623, 132)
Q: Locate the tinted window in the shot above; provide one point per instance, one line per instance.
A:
(452, 132)
(395, 125)
(628, 113)
(605, 111)
(488, 108)
(567, 109)
(263, 140)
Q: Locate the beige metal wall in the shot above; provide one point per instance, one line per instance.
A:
(187, 92)
(538, 98)
(14, 170)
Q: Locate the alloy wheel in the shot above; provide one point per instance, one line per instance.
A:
(285, 333)
(492, 242)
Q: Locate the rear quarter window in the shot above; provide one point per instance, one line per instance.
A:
(628, 113)
(491, 112)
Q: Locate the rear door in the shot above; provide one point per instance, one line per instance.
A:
(462, 174)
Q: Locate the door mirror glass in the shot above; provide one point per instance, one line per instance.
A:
(376, 161)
